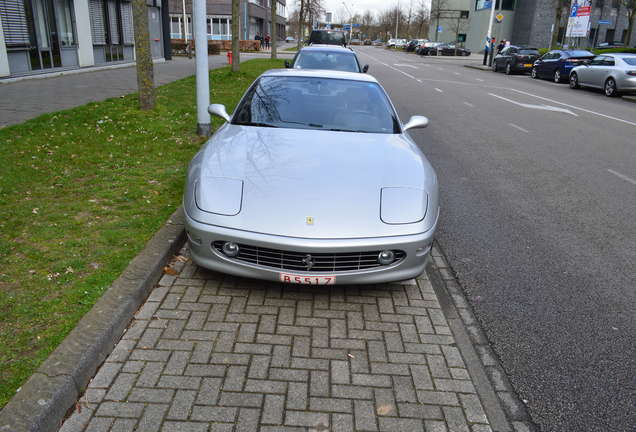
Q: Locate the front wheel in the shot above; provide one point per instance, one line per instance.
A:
(557, 76)
(574, 81)
(494, 67)
(533, 73)
(610, 88)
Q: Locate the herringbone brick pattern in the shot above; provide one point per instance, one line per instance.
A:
(209, 352)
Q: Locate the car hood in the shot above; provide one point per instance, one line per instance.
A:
(308, 183)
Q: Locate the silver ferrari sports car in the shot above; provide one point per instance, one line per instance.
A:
(312, 180)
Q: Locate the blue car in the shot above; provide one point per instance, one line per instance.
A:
(557, 64)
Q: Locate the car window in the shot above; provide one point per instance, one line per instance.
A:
(579, 54)
(597, 61)
(327, 60)
(317, 103)
(608, 61)
(630, 60)
(529, 52)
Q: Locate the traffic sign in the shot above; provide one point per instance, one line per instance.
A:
(356, 25)
(499, 17)
(439, 29)
(604, 22)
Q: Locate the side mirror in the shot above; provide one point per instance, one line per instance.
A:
(365, 68)
(287, 64)
(415, 122)
(219, 110)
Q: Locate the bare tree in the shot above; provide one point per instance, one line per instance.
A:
(630, 10)
(559, 7)
(422, 18)
(301, 20)
(274, 32)
(145, 73)
(367, 22)
(236, 48)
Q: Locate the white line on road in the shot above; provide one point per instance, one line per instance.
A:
(419, 80)
(440, 69)
(469, 104)
(519, 127)
(405, 65)
(439, 90)
(479, 79)
(623, 176)
(456, 73)
(575, 107)
(539, 107)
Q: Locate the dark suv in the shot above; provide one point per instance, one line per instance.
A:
(327, 37)
(513, 59)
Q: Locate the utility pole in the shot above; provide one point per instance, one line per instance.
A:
(397, 19)
(185, 23)
(490, 43)
(145, 75)
(350, 20)
(202, 77)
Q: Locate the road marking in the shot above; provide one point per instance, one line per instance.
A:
(479, 79)
(469, 104)
(623, 176)
(519, 127)
(405, 65)
(439, 90)
(539, 107)
(419, 80)
(439, 69)
(575, 107)
(456, 73)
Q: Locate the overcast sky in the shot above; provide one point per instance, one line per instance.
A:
(357, 6)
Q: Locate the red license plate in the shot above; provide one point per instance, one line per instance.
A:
(307, 279)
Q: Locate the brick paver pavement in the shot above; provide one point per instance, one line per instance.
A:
(209, 352)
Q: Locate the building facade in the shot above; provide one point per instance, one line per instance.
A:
(532, 23)
(255, 18)
(39, 36)
(450, 20)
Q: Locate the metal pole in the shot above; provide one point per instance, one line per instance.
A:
(202, 77)
(397, 20)
(490, 43)
(185, 23)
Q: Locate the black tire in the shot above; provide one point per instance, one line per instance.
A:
(494, 67)
(574, 81)
(508, 69)
(557, 76)
(534, 74)
(610, 87)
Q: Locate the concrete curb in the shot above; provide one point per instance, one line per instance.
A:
(629, 98)
(478, 67)
(504, 409)
(44, 400)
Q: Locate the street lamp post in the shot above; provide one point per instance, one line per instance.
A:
(350, 20)
(491, 45)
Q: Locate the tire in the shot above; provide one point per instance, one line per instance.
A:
(574, 81)
(508, 69)
(533, 73)
(610, 87)
(494, 67)
(557, 76)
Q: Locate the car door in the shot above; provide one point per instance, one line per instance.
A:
(555, 63)
(609, 66)
(500, 58)
(587, 74)
(545, 64)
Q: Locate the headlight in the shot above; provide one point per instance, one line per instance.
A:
(402, 205)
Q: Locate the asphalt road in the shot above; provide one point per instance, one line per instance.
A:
(538, 193)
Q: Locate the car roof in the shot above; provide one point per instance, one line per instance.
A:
(620, 55)
(320, 73)
(325, 47)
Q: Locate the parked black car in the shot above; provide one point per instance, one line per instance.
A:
(557, 64)
(515, 59)
(327, 37)
(452, 50)
(414, 44)
(429, 48)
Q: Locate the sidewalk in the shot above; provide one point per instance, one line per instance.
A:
(23, 100)
(209, 352)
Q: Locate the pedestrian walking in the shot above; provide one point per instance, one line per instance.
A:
(267, 39)
(259, 39)
(502, 44)
(486, 50)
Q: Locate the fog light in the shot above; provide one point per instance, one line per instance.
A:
(230, 249)
(386, 257)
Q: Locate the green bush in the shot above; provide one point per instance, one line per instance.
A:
(614, 50)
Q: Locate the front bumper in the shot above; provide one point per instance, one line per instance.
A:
(201, 236)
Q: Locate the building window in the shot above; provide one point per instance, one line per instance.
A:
(219, 28)
(463, 14)
(112, 26)
(281, 10)
(609, 36)
(64, 22)
(14, 23)
(176, 27)
(487, 4)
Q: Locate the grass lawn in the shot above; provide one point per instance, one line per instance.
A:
(291, 49)
(81, 192)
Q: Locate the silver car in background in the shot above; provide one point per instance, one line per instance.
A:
(312, 180)
(613, 73)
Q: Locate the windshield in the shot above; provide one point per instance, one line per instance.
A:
(528, 52)
(317, 103)
(327, 37)
(341, 61)
(579, 54)
(630, 60)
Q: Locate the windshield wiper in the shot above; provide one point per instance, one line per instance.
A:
(347, 130)
(256, 124)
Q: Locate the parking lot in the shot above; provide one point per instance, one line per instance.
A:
(538, 187)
